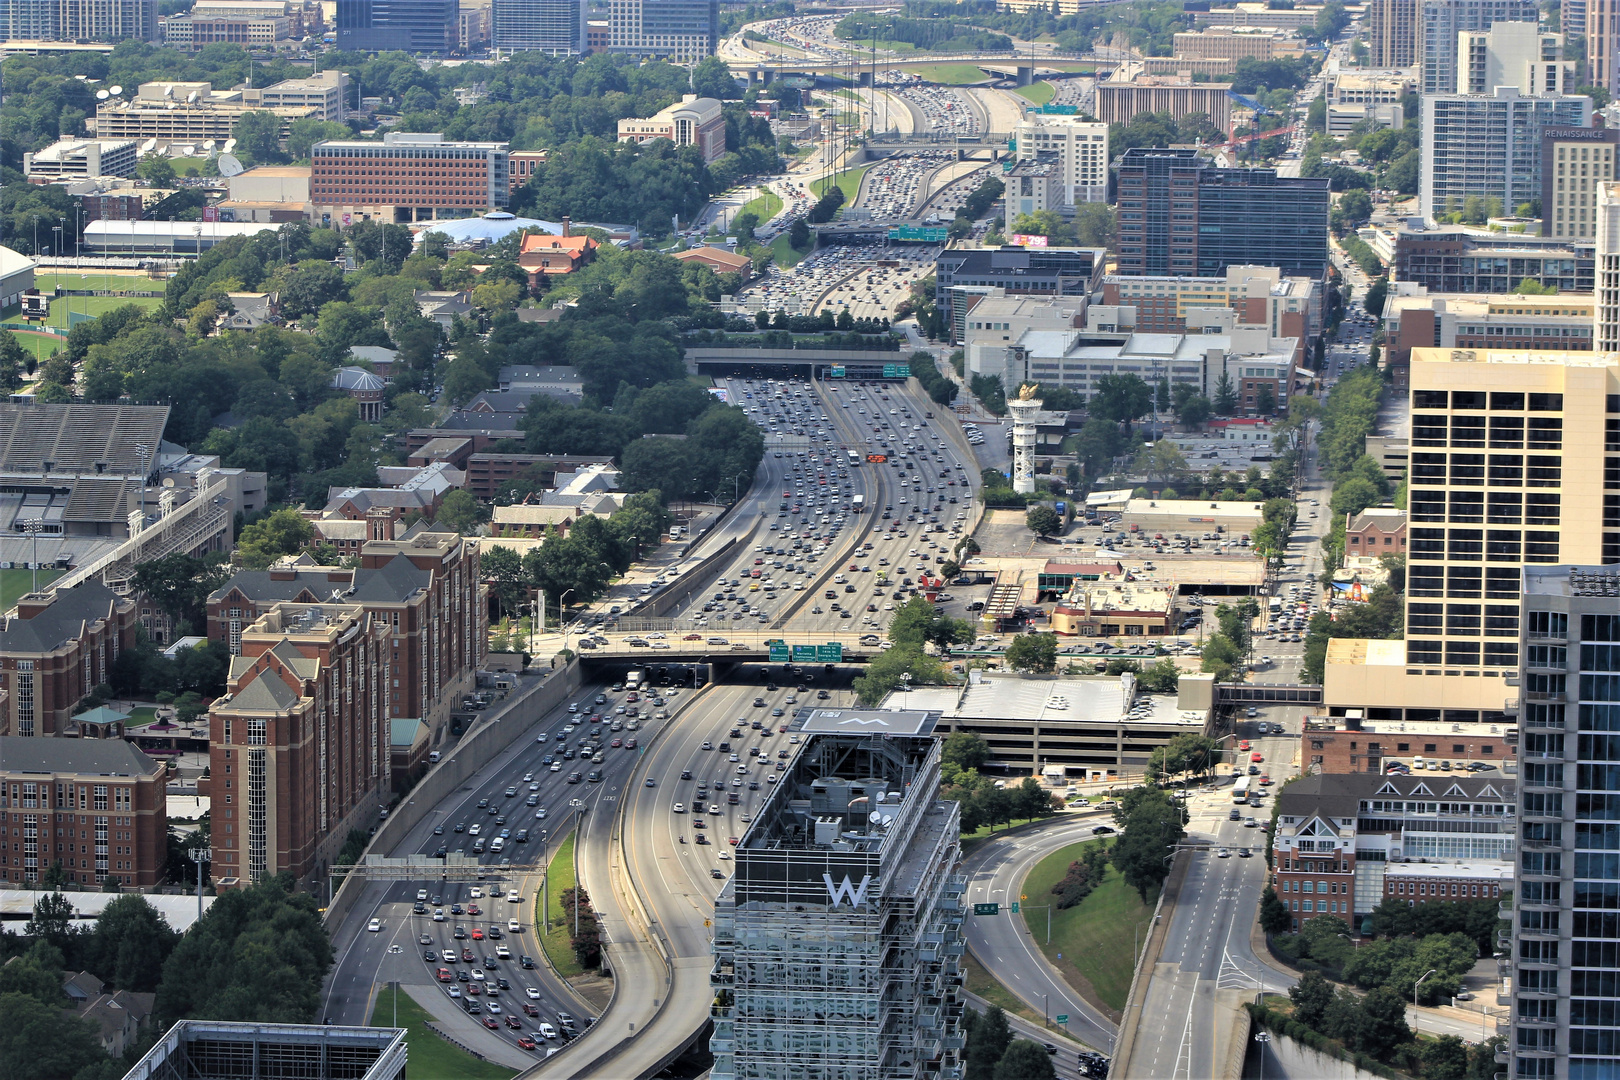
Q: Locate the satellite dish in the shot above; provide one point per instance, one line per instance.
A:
(208, 147)
(148, 146)
(102, 95)
(188, 150)
(191, 98)
(116, 90)
(229, 165)
(168, 91)
(230, 145)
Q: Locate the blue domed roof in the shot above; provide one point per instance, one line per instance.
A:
(493, 226)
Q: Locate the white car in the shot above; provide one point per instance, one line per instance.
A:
(513, 926)
(476, 893)
(533, 992)
(374, 925)
(512, 897)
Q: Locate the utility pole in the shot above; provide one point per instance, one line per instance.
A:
(200, 856)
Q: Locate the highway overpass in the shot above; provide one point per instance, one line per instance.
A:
(995, 67)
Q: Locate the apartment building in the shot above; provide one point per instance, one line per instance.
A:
(1505, 448)
(1489, 145)
(82, 20)
(1565, 973)
(299, 744)
(1575, 163)
(95, 806)
(1607, 276)
(1392, 37)
(1441, 23)
(1178, 215)
(1340, 834)
(409, 176)
(1081, 147)
(838, 937)
(424, 586)
(60, 646)
(1512, 54)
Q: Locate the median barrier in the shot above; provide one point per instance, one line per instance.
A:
(470, 754)
(1151, 949)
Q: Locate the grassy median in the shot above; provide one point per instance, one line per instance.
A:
(430, 1055)
(555, 936)
(1092, 941)
(1039, 93)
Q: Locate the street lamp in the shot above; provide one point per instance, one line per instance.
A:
(1417, 984)
(1262, 1037)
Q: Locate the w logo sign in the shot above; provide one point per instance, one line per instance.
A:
(856, 895)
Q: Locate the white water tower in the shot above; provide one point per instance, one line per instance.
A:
(1023, 409)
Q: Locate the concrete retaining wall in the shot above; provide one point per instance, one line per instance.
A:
(1286, 1059)
(696, 580)
(523, 708)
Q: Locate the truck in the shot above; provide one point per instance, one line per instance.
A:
(858, 504)
(634, 680)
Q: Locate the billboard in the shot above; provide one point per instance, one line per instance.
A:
(1027, 240)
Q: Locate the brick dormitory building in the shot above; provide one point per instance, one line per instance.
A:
(58, 648)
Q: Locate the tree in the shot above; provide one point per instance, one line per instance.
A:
(1221, 657)
(284, 532)
(1152, 825)
(156, 170)
(1043, 520)
(1025, 1060)
(130, 943)
(711, 78)
(919, 622)
(1033, 653)
(798, 235)
(13, 362)
(1162, 460)
(1274, 915)
(883, 675)
(1376, 297)
(965, 750)
(462, 512)
(179, 584)
(258, 137)
(1121, 398)
(1030, 800)
(1444, 1058)
(987, 1040)
(37, 1042)
(1194, 410)
(52, 920)
(1226, 399)
(1383, 1024)
(1265, 401)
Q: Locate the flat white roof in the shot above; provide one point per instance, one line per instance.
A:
(1502, 871)
(181, 911)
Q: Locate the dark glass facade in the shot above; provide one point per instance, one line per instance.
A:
(414, 26)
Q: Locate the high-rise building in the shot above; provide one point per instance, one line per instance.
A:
(1575, 164)
(1392, 33)
(556, 27)
(1565, 972)
(1606, 269)
(82, 20)
(838, 939)
(1512, 54)
(1444, 20)
(1082, 149)
(672, 29)
(1179, 215)
(416, 26)
(1489, 145)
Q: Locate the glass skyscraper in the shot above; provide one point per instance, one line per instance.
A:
(549, 26)
(415, 26)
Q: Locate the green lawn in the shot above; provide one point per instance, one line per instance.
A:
(14, 583)
(849, 180)
(952, 74)
(186, 166)
(784, 252)
(1040, 93)
(43, 346)
(80, 306)
(1095, 938)
(430, 1055)
(981, 982)
(105, 282)
(554, 937)
(765, 207)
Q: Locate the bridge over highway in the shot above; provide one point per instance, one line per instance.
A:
(996, 66)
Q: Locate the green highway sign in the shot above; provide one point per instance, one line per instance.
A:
(1015, 907)
(830, 653)
(897, 371)
(804, 654)
(987, 909)
(779, 652)
(1062, 1018)
(927, 234)
(838, 371)
(1050, 109)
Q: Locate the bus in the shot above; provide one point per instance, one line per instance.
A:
(854, 459)
(1240, 789)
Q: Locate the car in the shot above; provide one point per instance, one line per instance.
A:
(1244, 853)
(491, 1023)
(1102, 830)
(1257, 756)
(1223, 853)
(546, 1031)
(525, 1043)
(438, 914)
(1250, 823)
(374, 925)
(532, 992)
(678, 808)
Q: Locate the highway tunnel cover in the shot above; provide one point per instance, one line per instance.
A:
(869, 722)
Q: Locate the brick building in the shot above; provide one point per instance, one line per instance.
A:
(1339, 834)
(425, 586)
(407, 177)
(94, 805)
(1376, 531)
(299, 745)
(60, 646)
(1350, 745)
(1418, 883)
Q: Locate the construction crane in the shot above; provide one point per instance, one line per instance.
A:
(1240, 140)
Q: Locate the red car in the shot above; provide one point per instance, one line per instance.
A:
(474, 909)
(444, 975)
(1257, 756)
(1265, 781)
(476, 989)
(513, 1022)
(490, 1022)
(1244, 745)
(525, 1043)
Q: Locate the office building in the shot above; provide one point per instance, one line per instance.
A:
(1392, 33)
(1354, 97)
(1607, 275)
(1260, 295)
(1565, 974)
(1442, 21)
(1226, 43)
(838, 938)
(1489, 146)
(1505, 452)
(187, 113)
(407, 177)
(692, 121)
(1257, 13)
(325, 92)
(1121, 97)
(57, 649)
(680, 30)
(1416, 318)
(1051, 271)
(81, 159)
(310, 1051)
(96, 806)
(1179, 215)
(1082, 152)
(1460, 259)
(1512, 54)
(1344, 838)
(414, 26)
(194, 31)
(1575, 163)
(82, 20)
(555, 27)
